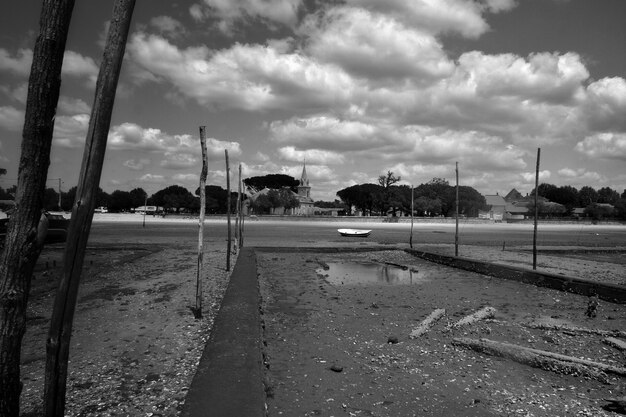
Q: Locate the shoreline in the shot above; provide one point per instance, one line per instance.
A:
(365, 221)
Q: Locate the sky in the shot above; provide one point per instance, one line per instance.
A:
(355, 88)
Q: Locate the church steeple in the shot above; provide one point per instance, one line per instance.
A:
(304, 190)
(304, 180)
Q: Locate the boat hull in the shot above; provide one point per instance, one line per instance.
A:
(354, 232)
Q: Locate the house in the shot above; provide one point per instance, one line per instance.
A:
(497, 207)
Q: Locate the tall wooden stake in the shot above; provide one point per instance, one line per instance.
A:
(412, 210)
(58, 342)
(536, 210)
(228, 210)
(145, 208)
(241, 209)
(21, 245)
(456, 233)
(203, 174)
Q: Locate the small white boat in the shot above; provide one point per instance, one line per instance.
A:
(354, 232)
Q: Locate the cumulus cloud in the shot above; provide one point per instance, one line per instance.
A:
(180, 150)
(529, 177)
(248, 77)
(580, 175)
(606, 145)
(70, 131)
(11, 118)
(311, 156)
(231, 12)
(138, 164)
(77, 65)
(70, 105)
(440, 16)
(168, 26)
(18, 64)
(375, 46)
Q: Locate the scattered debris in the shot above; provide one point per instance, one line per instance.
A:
(541, 359)
(616, 343)
(574, 329)
(392, 339)
(428, 322)
(336, 368)
(482, 314)
(592, 307)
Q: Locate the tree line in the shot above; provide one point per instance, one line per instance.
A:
(434, 198)
(595, 202)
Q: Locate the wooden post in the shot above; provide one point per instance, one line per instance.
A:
(412, 209)
(536, 210)
(241, 211)
(21, 246)
(203, 174)
(145, 208)
(58, 341)
(456, 234)
(228, 210)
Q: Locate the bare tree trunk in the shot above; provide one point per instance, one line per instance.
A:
(58, 342)
(240, 210)
(228, 210)
(22, 248)
(198, 310)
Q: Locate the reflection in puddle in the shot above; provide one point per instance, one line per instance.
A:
(354, 273)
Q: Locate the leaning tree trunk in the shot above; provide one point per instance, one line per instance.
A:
(22, 246)
(58, 342)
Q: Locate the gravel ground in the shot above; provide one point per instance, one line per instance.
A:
(135, 343)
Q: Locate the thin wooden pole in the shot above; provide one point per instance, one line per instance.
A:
(145, 208)
(228, 210)
(240, 208)
(456, 233)
(412, 209)
(203, 174)
(58, 341)
(243, 217)
(22, 248)
(536, 210)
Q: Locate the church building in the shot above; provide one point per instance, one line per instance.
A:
(304, 196)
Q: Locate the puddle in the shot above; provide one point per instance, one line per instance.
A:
(364, 273)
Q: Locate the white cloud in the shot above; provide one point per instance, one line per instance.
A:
(181, 151)
(77, 65)
(606, 145)
(11, 118)
(231, 12)
(313, 156)
(529, 177)
(248, 77)
(70, 105)
(580, 175)
(70, 131)
(606, 104)
(438, 16)
(180, 160)
(18, 64)
(137, 164)
(168, 26)
(376, 46)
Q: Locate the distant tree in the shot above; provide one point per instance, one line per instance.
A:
(67, 199)
(427, 206)
(330, 204)
(272, 181)
(620, 208)
(261, 204)
(137, 197)
(174, 198)
(470, 201)
(390, 198)
(120, 201)
(288, 199)
(365, 197)
(598, 211)
(587, 196)
(51, 199)
(438, 189)
(607, 195)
